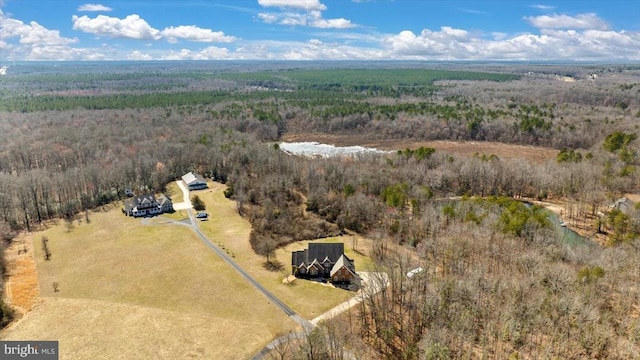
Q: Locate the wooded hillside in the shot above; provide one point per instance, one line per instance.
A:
(499, 281)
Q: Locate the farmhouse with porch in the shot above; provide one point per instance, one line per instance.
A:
(147, 205)
(194, 181)
(325, 261)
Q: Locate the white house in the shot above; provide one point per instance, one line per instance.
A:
(194, 181)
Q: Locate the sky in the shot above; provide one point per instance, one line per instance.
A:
(568, 30)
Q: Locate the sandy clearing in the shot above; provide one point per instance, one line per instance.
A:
(461, 148)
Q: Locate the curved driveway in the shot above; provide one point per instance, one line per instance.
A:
(306, 325)
(194, 225)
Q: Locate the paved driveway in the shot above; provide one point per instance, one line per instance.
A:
(186, 202)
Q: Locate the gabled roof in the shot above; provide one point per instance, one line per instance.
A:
(191, 178)
(144, 199)
(333, 251)
(317, 255)
(297, 257)
(162, 199)
(345, 262)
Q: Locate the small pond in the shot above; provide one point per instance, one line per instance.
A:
(568, 236)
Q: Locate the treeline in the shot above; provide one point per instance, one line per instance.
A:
(483, 287)
(502, 109)
(68, 162)
(58, 164)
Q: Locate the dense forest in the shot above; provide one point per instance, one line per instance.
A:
(499, 282)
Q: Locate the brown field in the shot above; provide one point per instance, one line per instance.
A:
(460, 148)
(21, 285)
(128, 290)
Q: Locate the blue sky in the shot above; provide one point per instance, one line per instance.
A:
(320, 30)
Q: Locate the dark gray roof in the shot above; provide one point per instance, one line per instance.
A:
(319, 252)
(297, 258)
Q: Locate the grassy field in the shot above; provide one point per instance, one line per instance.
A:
(126, 289)
(231, 232)
(145, 291)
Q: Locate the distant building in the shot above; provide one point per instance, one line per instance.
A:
(624, 205)
(147, 205)
(194, 181)
(325, 261)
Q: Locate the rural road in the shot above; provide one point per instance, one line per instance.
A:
(194, 225)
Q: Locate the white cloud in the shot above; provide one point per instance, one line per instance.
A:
(550, 44)
(317, 50)
(542, 7)
(138, 55)
(562, 21)
(268, 18)
(131, 27)
(307, 5)
(134, 27)
(301, 13)
(340, 23)
(208, 53)
(194, 33)
(556, 37)
(311, 19)
(32, 33)
(94, 7)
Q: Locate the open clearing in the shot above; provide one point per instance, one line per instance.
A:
(128, 290)
(461, 148)
(132, 291)
(235, 240)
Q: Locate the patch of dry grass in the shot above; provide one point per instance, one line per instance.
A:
(22, 280)
(94, 329)
(163, 275)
